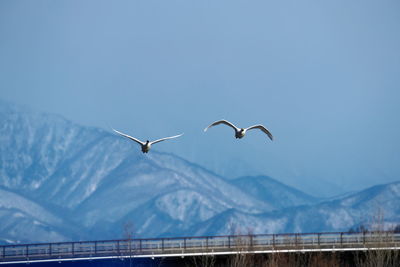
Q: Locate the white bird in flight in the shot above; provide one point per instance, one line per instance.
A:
(146, 145)
(240, 132)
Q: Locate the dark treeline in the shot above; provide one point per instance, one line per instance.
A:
(378, 258)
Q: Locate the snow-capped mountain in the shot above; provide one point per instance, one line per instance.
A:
(94, 179)
(281, 196)
(378, 206)
(61, 181)
(23, 220)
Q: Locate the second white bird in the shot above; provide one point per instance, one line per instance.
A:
(240, 132)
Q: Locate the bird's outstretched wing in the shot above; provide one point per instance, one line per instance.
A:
(130, 137)
(165, 138)
(262, 128)
(222, 122)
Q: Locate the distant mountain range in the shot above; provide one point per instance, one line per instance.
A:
(378, 206)
(61, 181)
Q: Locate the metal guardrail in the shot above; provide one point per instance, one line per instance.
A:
(191, 245)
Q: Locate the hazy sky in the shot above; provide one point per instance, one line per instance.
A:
(323, 76)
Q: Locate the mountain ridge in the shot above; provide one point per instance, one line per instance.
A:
(93, 183)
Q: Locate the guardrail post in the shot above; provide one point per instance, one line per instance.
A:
(140, 244)
(73, 248)
(118, 247)
(95, 247)
(364, 237)
(4, 252)
(319, 239)
(27, 251)
(251, 241)
(207, 242)
(184, 243)
(50, 249)
(273, 240)
(229, 241)
(162, 244)
(341, 239)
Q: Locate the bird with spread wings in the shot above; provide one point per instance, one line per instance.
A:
(240, 132)
(146, 145)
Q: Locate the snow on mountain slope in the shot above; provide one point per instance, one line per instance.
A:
(35, 147)
(157, 218)
(65, 181)
(23, 220)
(98, 179)
(81, 174)
(10, 200)
(52, 159)
(232, 222)
(139, 180)
(173, 213)
(19, 227)
(210, 183)
(378, 204)
(271, 191)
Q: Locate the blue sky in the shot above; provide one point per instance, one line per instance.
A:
(323, 76)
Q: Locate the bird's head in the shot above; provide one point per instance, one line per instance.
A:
(147, 141)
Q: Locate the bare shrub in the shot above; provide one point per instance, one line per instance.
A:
(378, 244)
(242, 245)
(128, 235)
(203, 261)
(273, 260)
(325, 260)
